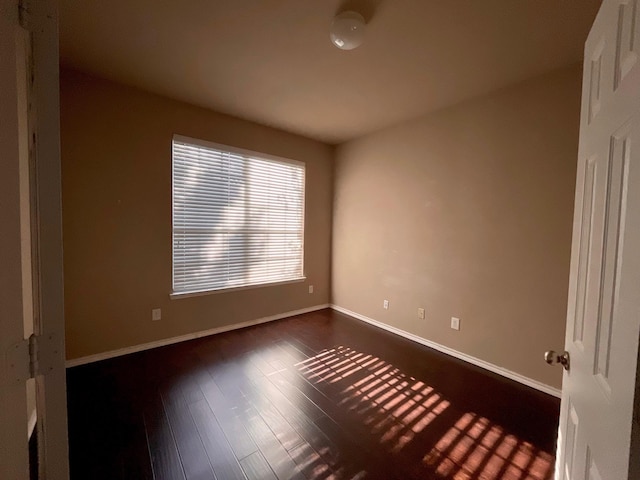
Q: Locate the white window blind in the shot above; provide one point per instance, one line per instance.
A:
(238, 218)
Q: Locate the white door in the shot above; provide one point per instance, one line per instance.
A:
(603, 319)
(31, 290)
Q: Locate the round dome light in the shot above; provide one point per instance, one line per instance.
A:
(347, 30)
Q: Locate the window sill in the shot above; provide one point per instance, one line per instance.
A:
(200, 293)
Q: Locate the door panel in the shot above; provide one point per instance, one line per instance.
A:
(617, 180)
(603, 324)
(628, 39)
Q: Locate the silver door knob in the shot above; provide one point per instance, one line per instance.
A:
(553, 358)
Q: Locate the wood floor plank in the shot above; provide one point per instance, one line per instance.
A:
(237, 436)
(278, 423)
(190, 447)
(135, 462)
(165, 459)
(320, 443)
(281, 462)
(273, 451)
(260, 392)
(310, 462)
(370, 456)
(225, 464)
(256, 467)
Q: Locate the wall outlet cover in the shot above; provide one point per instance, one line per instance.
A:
(156, 314)
(421, 313)
(455, 323)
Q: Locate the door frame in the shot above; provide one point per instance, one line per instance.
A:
(53, 449)
(40, 20)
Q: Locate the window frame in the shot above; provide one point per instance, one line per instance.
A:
(247, 153)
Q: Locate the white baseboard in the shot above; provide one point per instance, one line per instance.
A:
(454, 353)
(189, 336)
(428, 343)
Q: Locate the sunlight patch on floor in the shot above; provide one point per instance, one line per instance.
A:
(393, 405)
(396, 407)
(476, 448)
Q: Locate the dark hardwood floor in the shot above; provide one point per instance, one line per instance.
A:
(318, 396)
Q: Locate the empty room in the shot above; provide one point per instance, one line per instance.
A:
(284, 239)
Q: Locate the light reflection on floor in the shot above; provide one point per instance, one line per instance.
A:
(396, 407)
(475, 448)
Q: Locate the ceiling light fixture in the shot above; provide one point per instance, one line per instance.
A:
(347, 30)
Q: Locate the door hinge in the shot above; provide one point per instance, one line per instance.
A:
(31, 357)
(44, 351)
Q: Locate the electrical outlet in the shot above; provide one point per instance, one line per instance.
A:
(156, 314)
(385, 304)
(455, 323)
(310, 288)
(421, 314)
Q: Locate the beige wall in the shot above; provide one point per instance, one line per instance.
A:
(116, 159)
(468, 213)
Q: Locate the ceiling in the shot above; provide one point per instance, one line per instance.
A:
(271, 61)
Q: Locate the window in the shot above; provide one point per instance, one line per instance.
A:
(238, 217)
